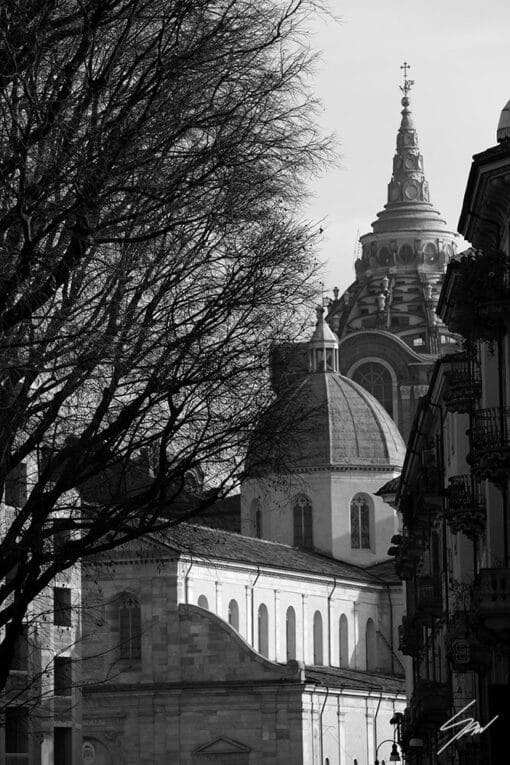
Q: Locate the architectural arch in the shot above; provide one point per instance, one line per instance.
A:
(406, 254)
(233, 614)
(379, 379)
(361, 518)
(130, 627)
(263, 630)
(371, 645)
(290, 633)
(318, 651)
(303, 522)
(256, 517)
(343, 640)
(203, 602)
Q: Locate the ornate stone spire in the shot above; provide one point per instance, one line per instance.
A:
(408, 189)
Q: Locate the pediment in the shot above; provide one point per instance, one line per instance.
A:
(222, 745)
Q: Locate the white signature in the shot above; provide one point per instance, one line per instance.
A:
(471, 726)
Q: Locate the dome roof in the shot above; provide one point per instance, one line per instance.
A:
(325, 421)
(503, 131)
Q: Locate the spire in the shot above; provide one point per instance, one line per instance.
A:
(408, 189)
(408, 183)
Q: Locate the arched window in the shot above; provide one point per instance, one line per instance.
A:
(317, 639)
(430, 253)
(203, 602)
(303, 522)
(371, 648)
(360, 522)
(290, 626)
(233, 614)
(130, 628)
(376, 379)
(406, 254)
(263, 630)
(256, 518)
(343, 638)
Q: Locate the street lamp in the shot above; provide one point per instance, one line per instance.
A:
(394, 756)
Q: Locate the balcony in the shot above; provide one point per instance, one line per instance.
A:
(466, 506)
(463, 383)
(407, 551)
(479, 303)
(494, 295)
(409, 637)
(430, 705)
(429, 603)
(491, 599)
(490, 444)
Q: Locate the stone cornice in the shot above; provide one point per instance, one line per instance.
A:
(240, 686)
(487, 198)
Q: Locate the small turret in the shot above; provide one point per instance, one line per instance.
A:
(322, 346)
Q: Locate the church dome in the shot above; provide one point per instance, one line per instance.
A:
(503, 131)
(325, 420)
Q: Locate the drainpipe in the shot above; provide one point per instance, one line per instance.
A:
(252, 608)
(375, 722)
(321, 726)
(329, 620)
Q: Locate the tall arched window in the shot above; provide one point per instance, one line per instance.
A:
(203, 602)
(130, 628)
(360, 522)
(376, 379)
(406, 254)
(430, 253)
(318, 657)
(343, 639)
(290, 626)
(303, 522)
(233, 614)
(256, 517)
(371, 647)
(263, 630)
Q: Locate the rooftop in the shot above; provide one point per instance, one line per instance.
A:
(218, 544)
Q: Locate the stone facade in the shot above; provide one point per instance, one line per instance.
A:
(200, 690)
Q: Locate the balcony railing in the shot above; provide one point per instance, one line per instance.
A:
(409, 637)
(491, 598)
(466, 506)
(490, 443)
(407, 551)
(463, 383)
(429, 604)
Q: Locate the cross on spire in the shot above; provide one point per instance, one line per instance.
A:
(406, 87)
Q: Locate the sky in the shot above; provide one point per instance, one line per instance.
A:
(459, 53)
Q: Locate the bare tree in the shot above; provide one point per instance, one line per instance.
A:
(153, 155)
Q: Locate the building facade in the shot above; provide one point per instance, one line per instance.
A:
(274, 645)
(453, 552)
(40, 708)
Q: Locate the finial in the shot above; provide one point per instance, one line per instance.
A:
(406, 87)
